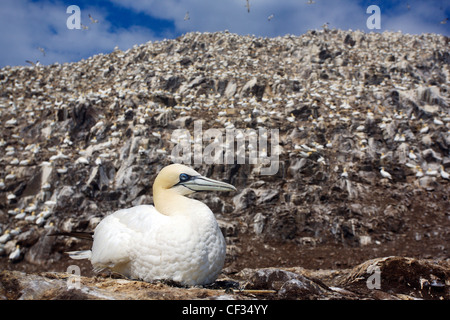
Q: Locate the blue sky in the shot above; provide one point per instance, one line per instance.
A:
(28, 25)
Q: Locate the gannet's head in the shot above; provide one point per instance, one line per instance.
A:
(184, 180)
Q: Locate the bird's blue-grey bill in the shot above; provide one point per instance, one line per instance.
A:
(200, 183)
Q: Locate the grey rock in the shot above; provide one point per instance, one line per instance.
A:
(431, 156)
(245, 199)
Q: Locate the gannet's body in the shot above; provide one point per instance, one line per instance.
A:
(178, 239)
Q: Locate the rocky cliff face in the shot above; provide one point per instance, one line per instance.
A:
(82, 140)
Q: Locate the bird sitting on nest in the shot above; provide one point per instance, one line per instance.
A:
(178, 239)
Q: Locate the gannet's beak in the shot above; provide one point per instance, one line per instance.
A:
(200, 183)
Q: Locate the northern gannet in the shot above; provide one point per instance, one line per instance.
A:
(385, 174)
(177, 239)
(92, 19)
(5, 237)
(42, 50)
(444, 174)
(15, 255)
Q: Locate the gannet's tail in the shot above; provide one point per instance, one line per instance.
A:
(80, 255)
(79, 235)
(77, 255)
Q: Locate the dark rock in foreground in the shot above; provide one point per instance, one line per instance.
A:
(399, 279)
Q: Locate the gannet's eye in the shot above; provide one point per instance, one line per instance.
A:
(184, 177)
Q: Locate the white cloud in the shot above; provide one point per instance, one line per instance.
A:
(290, 16)
(422, 17)
(27, 25)
(30, 25)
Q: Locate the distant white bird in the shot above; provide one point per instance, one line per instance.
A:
(46, 213)
(31, 217)
(24, 162)
(58, 156)
(15, 231)
(321, 160)
(247, 5)
(67, 140)
(20, 215)
(10, 176)
(444, 21)
(40, 220)
(15, 255)
(82, 160)
(310, 2)
(444, 174)
(385, 174)
(31, 207)
(412, 156)
(156, 134)
(5, 237)
(307, 148)
(419, 172)
(344, 173)
(62, 170)
(431, 172)
(11, 196)
(305, 154)
(42, 50)
(161, 151)
(186, 16)
(424, 129)
(291, 118)
(270, 17)
(438, 122)
(361, 128)
(399, 137)
(34, 64)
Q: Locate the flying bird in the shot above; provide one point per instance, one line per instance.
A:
(444, 21)
(92, 19)
(310, 2)
(34, 64)
(247, 5)
(385, 174)
(177, 239)
(42, 50)
(270, 17)
(186, 16)
(15, 255)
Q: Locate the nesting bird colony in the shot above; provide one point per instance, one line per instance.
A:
(364, 141)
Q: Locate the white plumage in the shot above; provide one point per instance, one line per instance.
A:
(385, 174)
(178, 240)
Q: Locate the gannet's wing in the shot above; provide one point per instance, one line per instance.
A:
(116, 234)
